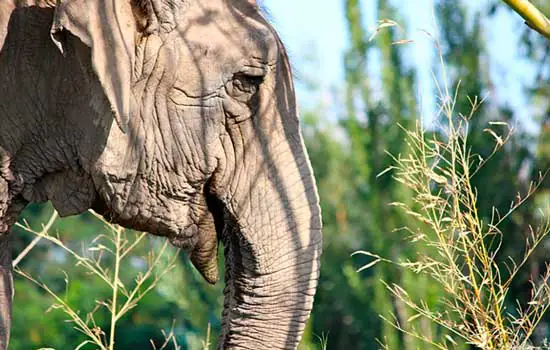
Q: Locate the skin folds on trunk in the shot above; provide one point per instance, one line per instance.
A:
(270, 283)
(272, 233)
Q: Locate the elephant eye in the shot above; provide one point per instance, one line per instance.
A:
(243, 91)
(247, 84)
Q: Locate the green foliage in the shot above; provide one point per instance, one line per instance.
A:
(183, 302)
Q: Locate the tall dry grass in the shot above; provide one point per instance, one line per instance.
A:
(456, 248)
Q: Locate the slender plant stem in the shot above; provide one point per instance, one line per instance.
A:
(37, 239)
(534, 18)
(115, 283)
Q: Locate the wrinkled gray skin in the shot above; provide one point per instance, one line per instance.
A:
(176, 117)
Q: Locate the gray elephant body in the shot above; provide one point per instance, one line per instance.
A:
(173, 117)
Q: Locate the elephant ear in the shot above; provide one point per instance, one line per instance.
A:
(107, 27)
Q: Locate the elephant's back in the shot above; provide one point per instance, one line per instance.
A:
(29, 64)
(8, 6)
(28, 57)
(24, 27)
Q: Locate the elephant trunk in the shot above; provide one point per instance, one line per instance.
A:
(272, 238)
(272, 268)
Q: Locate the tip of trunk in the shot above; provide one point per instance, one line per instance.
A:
(205, 254)
(207, 265)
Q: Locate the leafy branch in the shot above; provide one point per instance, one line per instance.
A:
(104, 259)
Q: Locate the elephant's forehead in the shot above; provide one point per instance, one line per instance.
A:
(228, 32)
(217, 39)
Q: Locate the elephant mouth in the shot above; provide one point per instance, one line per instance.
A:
(217, 208)
(210, 228)
(237, 253)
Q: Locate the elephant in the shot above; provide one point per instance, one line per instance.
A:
(173, 117)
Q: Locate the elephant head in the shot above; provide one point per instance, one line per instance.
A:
(188, 128)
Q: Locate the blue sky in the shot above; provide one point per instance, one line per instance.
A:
(317, 27)
(322, 29)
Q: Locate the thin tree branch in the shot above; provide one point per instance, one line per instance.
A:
(35, 241)
(534, 18)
